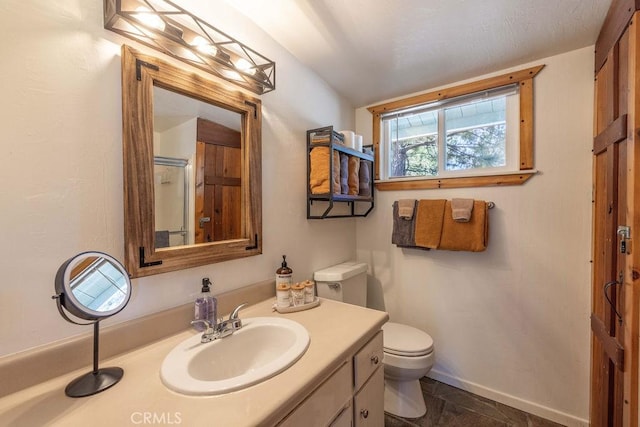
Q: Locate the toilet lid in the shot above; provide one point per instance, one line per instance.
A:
(405, 340)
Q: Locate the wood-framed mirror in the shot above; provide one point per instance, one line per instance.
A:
(218, 168)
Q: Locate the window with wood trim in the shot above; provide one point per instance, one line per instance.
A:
(476, 134)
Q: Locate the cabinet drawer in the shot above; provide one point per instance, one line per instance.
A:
(345, 419)
(325, 402)
(367, 360)
(368, 404)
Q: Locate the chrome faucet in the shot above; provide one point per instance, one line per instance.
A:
(209, 333)
(223, 328)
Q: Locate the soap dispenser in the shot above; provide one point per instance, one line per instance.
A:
(206, 306)
(284, 273)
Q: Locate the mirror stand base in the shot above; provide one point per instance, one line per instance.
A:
(94, 382)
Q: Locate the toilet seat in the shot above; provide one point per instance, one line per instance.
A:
(404, 340)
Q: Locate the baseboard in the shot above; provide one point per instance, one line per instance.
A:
(506, 399)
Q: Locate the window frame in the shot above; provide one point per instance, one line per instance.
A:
(524, 78)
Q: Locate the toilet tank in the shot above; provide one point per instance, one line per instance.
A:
(346, 282)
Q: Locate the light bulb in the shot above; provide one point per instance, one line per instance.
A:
(149, 18)
(203, 45)
(234, 75)
(244, 66)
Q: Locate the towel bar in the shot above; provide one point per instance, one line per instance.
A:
(490, 205)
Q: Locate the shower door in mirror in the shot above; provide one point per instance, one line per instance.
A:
(171, 189)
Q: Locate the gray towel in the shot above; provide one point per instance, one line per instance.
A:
(403, 229)
(365, 178)
(162, 239)
(344, 173)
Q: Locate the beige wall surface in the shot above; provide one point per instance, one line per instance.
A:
(511, 323)
(61, 190)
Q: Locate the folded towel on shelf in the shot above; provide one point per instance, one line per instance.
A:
(406, 208)
(429, 220)
(466, 236)
(461, 209)
(344, 173)
(319, 170)
(365, 178)
(354, 172)
(336, 173)
(319, 175)
(403, 229)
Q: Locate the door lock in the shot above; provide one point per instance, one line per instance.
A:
(625, 234)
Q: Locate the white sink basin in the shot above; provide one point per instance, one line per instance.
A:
(264, 347)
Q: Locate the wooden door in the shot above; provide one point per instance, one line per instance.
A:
(218, 207)
(614, 316)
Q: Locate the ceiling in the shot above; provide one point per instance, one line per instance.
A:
(373, 50)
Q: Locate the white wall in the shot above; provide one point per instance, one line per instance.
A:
(512, 322)
(61, 190)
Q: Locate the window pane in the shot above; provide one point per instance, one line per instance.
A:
(475, 135)
(413, 147)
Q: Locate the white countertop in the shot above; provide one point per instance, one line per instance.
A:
(336, 330)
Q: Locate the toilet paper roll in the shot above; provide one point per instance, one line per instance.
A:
(358, 143)
(349, 138)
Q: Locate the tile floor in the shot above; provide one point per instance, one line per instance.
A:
(450, 406)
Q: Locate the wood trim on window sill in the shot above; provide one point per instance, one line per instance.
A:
(461, 182)
(525, 80)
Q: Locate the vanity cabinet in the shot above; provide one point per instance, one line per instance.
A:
(352, 396)
(325, 148)
(368, 378)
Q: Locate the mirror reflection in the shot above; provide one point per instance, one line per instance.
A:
(173, 210)
(193, 183)
(92, 286)
(197, 171)
(98, 285)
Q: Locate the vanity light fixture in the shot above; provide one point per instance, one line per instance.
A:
(166, 27)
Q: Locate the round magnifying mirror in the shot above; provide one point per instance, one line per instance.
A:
(92, 286)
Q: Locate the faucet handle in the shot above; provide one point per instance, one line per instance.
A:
(234, 313)
(206, 324)
(234, 320)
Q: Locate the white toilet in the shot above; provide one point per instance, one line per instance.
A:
(408, 352)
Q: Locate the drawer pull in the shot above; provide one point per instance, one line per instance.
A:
(375, 360)
(364, 413)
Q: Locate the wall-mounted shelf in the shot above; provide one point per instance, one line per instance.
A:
(327, 196)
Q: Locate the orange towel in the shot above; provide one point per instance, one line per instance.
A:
(465, 236)
(429, 220)
(319, 171)
(354, 176)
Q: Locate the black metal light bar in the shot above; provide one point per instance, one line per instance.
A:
(164, 26)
